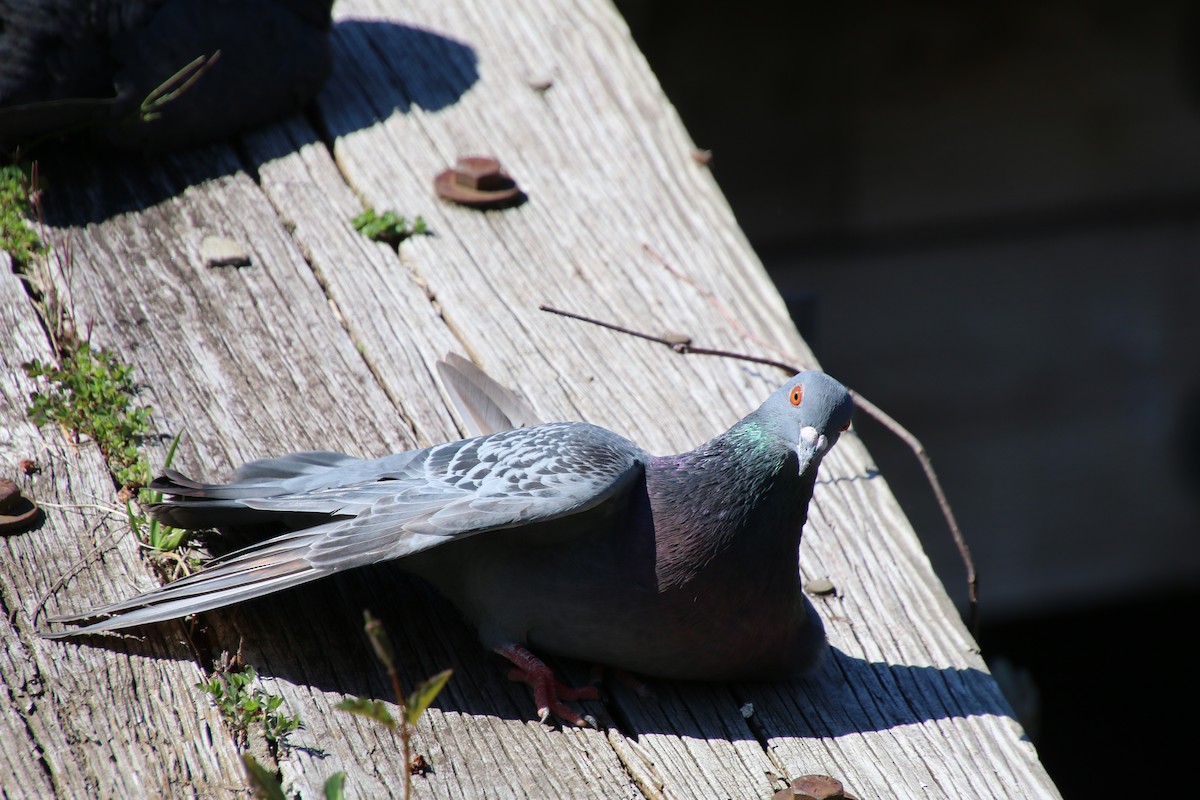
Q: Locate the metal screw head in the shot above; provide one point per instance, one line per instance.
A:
(480, 172)
(16, 512)
(9, 494)
(477, 181)
(813, 787)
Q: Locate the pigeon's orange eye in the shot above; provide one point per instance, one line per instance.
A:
(846, 427)
(797, 395)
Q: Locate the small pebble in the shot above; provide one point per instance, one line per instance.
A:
(218, 251)
(820, 586)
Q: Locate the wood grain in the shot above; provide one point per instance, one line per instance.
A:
(327, 341)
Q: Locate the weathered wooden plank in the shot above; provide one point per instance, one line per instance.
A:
(909, 706)
(123, 720)
(327, 341)
(377, 296)
(607, 168)
(301, 383)
(467, 254)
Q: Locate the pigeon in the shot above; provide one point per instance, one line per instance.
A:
(560, 538)
(96, 66)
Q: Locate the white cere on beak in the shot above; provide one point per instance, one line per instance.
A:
(812, 445)
(809, 437)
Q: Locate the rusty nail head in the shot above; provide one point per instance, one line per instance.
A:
(813, 787)
(16, 512)
(477, 181)
(480, 172)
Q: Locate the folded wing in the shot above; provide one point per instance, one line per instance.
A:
(367, 511)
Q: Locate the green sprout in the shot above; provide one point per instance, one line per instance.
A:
(412, 706)
(163, 541)
(17, 237)
(266, 786)
(388, 227)
(150, 108)
(92, 394)
(243, 706)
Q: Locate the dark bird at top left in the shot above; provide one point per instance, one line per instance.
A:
(70, 66)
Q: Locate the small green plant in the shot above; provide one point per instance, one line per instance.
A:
(150, 108)
(266, 786)
(335, 787)
(17, 237)
(388, 227)
(92, 394)
(263, 783)
(165, 543)
(411, 706)
(243, 705)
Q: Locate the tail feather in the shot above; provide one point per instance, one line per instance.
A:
(485, 405)
(254, 477)
(291, 465)
(181, 607)
(253, 572)
(193, 505)
(227, 514)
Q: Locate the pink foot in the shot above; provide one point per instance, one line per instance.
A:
(548, 692)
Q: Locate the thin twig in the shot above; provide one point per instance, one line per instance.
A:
(105, 543)
(918, 450)
(674, 344)
(112, 510)
(870, 408)
(715, 302)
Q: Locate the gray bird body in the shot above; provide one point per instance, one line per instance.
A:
(562, 537)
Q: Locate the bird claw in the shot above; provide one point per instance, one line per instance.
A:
(549, 693)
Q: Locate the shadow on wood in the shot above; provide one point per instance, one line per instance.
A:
(430, 636)
(107, 183)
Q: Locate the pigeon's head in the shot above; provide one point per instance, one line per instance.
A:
(808, 413)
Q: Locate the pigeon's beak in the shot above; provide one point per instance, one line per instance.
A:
(811, 447)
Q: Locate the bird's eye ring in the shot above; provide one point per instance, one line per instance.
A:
(846, 427)
(797, 395)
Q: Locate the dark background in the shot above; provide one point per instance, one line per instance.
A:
(987, 220)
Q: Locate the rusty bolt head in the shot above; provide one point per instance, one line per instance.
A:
(480, 172)
(16, 512)
(813, 787)
(9, 494)
(478, 181)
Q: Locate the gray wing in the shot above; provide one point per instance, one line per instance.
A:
(389, 508)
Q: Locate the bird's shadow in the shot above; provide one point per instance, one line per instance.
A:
(313, 635)
(407, 67)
